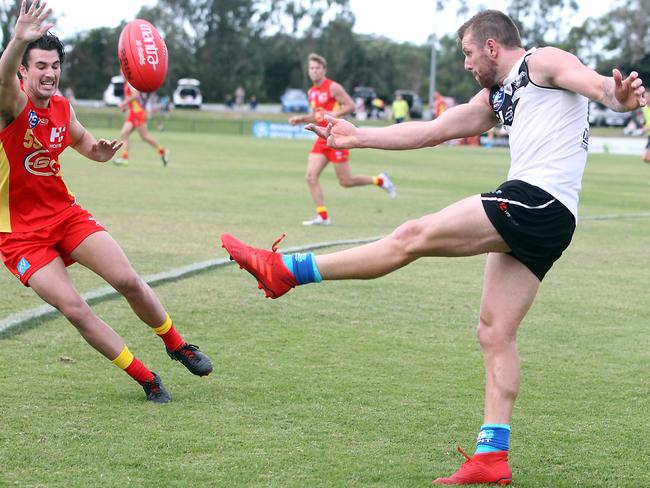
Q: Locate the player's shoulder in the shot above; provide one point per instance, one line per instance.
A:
(549, 56)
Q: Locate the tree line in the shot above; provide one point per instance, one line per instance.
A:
(262, 45)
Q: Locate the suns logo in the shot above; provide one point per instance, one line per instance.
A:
(40, 163)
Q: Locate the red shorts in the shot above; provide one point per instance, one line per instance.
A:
(26, 252)
(137, 118)
(333, 155)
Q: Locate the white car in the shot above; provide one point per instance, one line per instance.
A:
(188, 93)
(114, 92)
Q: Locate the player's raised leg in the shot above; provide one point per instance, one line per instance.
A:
(103, 255)
(461, 229)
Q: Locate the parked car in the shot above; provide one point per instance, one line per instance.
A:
(114, 92)
(414, 101)
(601, 115)
(294, 100)
(188, 93)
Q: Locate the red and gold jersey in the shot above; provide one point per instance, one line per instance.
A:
(32, 191)
(321, 100)
(135, 106)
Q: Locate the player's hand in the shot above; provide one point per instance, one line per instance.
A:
(629, 92)
(31, 22)
(103, 150)
(339, 133)
(295, 120)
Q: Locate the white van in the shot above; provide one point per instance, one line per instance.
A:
(114, 93)
(188, 94)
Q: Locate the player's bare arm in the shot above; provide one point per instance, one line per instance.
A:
(124, 104)
(469, 119)
(85, 144)
(556, 68)
(29, 27)
(346, 104)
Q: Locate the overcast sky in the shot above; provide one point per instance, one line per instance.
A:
(403, 20)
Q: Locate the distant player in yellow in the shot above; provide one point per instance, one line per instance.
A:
(136, 120)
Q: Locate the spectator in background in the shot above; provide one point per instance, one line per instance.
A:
(240, 96)
(378, 106)
(253, 102)
(69, 94)
(400, 109)
(229, 101)
(163, 111)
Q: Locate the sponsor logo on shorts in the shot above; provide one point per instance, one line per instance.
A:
(32, 119)
(23, 266)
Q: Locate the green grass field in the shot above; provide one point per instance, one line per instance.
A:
(346, 384)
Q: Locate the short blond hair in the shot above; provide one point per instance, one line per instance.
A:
(318, 59)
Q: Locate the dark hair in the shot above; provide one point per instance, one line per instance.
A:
(491, 24)
(47, 42)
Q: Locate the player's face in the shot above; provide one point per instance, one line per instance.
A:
(477, 62)
(41, 77)
(316, 71)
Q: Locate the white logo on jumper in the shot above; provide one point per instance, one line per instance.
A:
(57, 134)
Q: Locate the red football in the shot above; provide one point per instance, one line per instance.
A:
(143, 55)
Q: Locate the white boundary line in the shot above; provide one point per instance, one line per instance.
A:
(47, 311)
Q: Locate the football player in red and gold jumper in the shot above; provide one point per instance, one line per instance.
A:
(136, 119)
(42, 227)
(328, 97)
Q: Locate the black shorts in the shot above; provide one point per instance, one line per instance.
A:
(647, 145)
(536, 226)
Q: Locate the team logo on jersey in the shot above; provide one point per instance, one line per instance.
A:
(43, 121)
(497, 99)
(32, 119)
(40, 163)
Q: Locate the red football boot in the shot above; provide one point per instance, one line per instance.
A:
(266, 266)
(485, 467)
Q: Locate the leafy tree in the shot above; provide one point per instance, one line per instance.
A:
(8, 15)
(91, 63)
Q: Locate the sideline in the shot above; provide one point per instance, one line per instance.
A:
(46, 311)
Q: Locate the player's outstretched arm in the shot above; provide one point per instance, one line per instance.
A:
(84, 143)
(464, 120)
(554, 67)
(30, 26)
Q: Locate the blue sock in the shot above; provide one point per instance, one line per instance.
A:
(303, 267)
(492, 438)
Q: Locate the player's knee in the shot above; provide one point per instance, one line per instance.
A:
(129, 284)
(409, 237)
(491, 334)
(346, 182)
(76, 310)
(311, 178)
